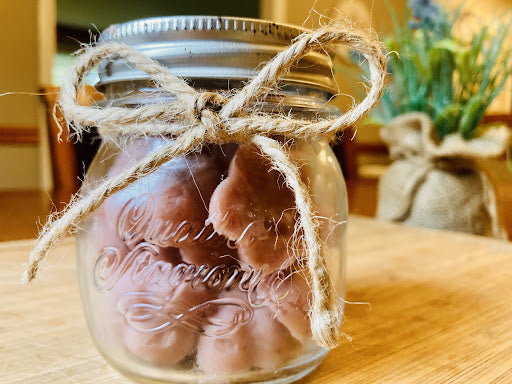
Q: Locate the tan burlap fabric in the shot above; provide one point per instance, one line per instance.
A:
(196, 119)
(435, 184)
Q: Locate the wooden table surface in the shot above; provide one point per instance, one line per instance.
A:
(441, 312)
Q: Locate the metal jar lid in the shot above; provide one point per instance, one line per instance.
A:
(210, 47)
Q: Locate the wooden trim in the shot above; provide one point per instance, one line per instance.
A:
(63, 153)
(377, 148)
(504, 118)
(19, 135)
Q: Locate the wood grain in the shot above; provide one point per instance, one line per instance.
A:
(22, 213)
(440, 313)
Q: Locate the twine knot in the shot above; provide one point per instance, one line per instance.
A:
(208, 102)
(206, 107)
(196, 119)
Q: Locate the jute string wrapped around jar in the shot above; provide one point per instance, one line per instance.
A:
(196, 119)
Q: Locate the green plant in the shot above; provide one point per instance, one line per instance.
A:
(452, 79)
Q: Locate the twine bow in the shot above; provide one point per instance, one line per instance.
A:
(197, 118)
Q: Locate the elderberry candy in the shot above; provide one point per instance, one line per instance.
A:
(287, 296)
(256, 339)
(152, 308)
(254, 208)
(159, 325)
(169, 207)
(200, 254)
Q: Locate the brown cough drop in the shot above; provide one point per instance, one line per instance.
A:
(253, 208)
(260, 342)
(167, 208)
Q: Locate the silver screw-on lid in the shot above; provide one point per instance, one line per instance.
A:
(210, 47)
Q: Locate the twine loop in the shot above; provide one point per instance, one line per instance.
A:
(195, 119)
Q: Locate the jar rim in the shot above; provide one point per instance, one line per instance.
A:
(212, 47)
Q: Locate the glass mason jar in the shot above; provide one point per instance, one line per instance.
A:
(190, 275)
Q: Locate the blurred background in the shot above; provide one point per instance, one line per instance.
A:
(37, 38)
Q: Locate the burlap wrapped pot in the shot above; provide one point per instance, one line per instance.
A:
(434, 183)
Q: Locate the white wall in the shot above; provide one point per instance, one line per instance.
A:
(19, 167)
